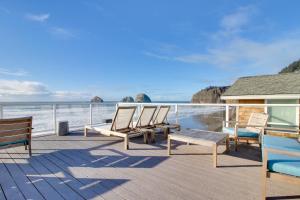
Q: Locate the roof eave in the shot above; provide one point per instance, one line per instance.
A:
(274, 96)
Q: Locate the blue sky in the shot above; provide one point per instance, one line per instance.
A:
(169, 49)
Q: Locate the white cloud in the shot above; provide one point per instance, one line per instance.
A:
(232, 50)
(4, 71)
(38, 17)
(154, 55)
(62, 33)
(237, 19)
(70, 95)
(242, 53)
(15, 88)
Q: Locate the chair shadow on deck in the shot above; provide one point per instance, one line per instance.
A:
(65, 175)
(77, 168)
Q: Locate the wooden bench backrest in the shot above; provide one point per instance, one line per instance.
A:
(15, 129)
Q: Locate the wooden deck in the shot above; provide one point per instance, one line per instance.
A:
(96, 167)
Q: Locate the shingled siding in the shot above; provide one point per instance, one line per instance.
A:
(245, 112)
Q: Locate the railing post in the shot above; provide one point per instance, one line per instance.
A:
(117, 105)
(54, 119)
(1, 111)
(176, 113)
(227, 115)
(91, 114)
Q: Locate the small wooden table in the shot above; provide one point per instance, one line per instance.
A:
(149, 135)
(200, 137)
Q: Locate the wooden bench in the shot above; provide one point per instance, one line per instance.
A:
(16, 132)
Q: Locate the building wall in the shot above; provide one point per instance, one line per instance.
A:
(245, 112)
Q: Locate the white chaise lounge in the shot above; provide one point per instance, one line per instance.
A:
(121, 126)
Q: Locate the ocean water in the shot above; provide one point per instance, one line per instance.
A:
(78, 115)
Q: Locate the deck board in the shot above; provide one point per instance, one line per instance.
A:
(7, 183)
(96, 167)
(42, 186)
(2, 196)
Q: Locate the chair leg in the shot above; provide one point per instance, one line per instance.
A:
(145, 138)
(85, 132)
(29, 146)
(166, 132)
(126, 143)
(25, 144)
(169, 146)
(235, 144)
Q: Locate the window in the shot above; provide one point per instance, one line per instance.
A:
(283, 116)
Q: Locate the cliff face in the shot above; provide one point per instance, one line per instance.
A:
(209, 95)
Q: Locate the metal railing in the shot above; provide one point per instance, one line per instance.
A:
(82, 113)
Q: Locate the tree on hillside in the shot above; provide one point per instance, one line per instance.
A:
(293, 67)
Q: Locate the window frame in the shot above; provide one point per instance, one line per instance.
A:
(284, 124)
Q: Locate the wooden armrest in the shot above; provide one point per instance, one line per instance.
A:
(280, 151)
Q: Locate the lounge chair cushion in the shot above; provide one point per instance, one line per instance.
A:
(242, 132)
(13, 142)
(281, 143)
(282, 163)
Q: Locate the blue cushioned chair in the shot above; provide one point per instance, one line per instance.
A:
(251, 131)
(16, 132)
(281, 159)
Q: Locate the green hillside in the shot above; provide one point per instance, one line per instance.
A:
(293, 67)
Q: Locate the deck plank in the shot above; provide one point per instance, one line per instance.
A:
(2, 196)
(60, 187)
(97, 167)
(7, 183)
(21, 180)
(40, 183)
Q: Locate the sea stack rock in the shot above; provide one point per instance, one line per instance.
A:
(209, 95)
(128, 99)
(142, 98)
(96, 99)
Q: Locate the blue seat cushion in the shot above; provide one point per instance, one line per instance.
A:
(284, 164)
(242, 132)
(13, 142)
(280, 143)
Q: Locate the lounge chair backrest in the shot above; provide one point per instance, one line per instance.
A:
(146, 116)
(16, 129)
(259, 119)
(123, 118)
(161, 115)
